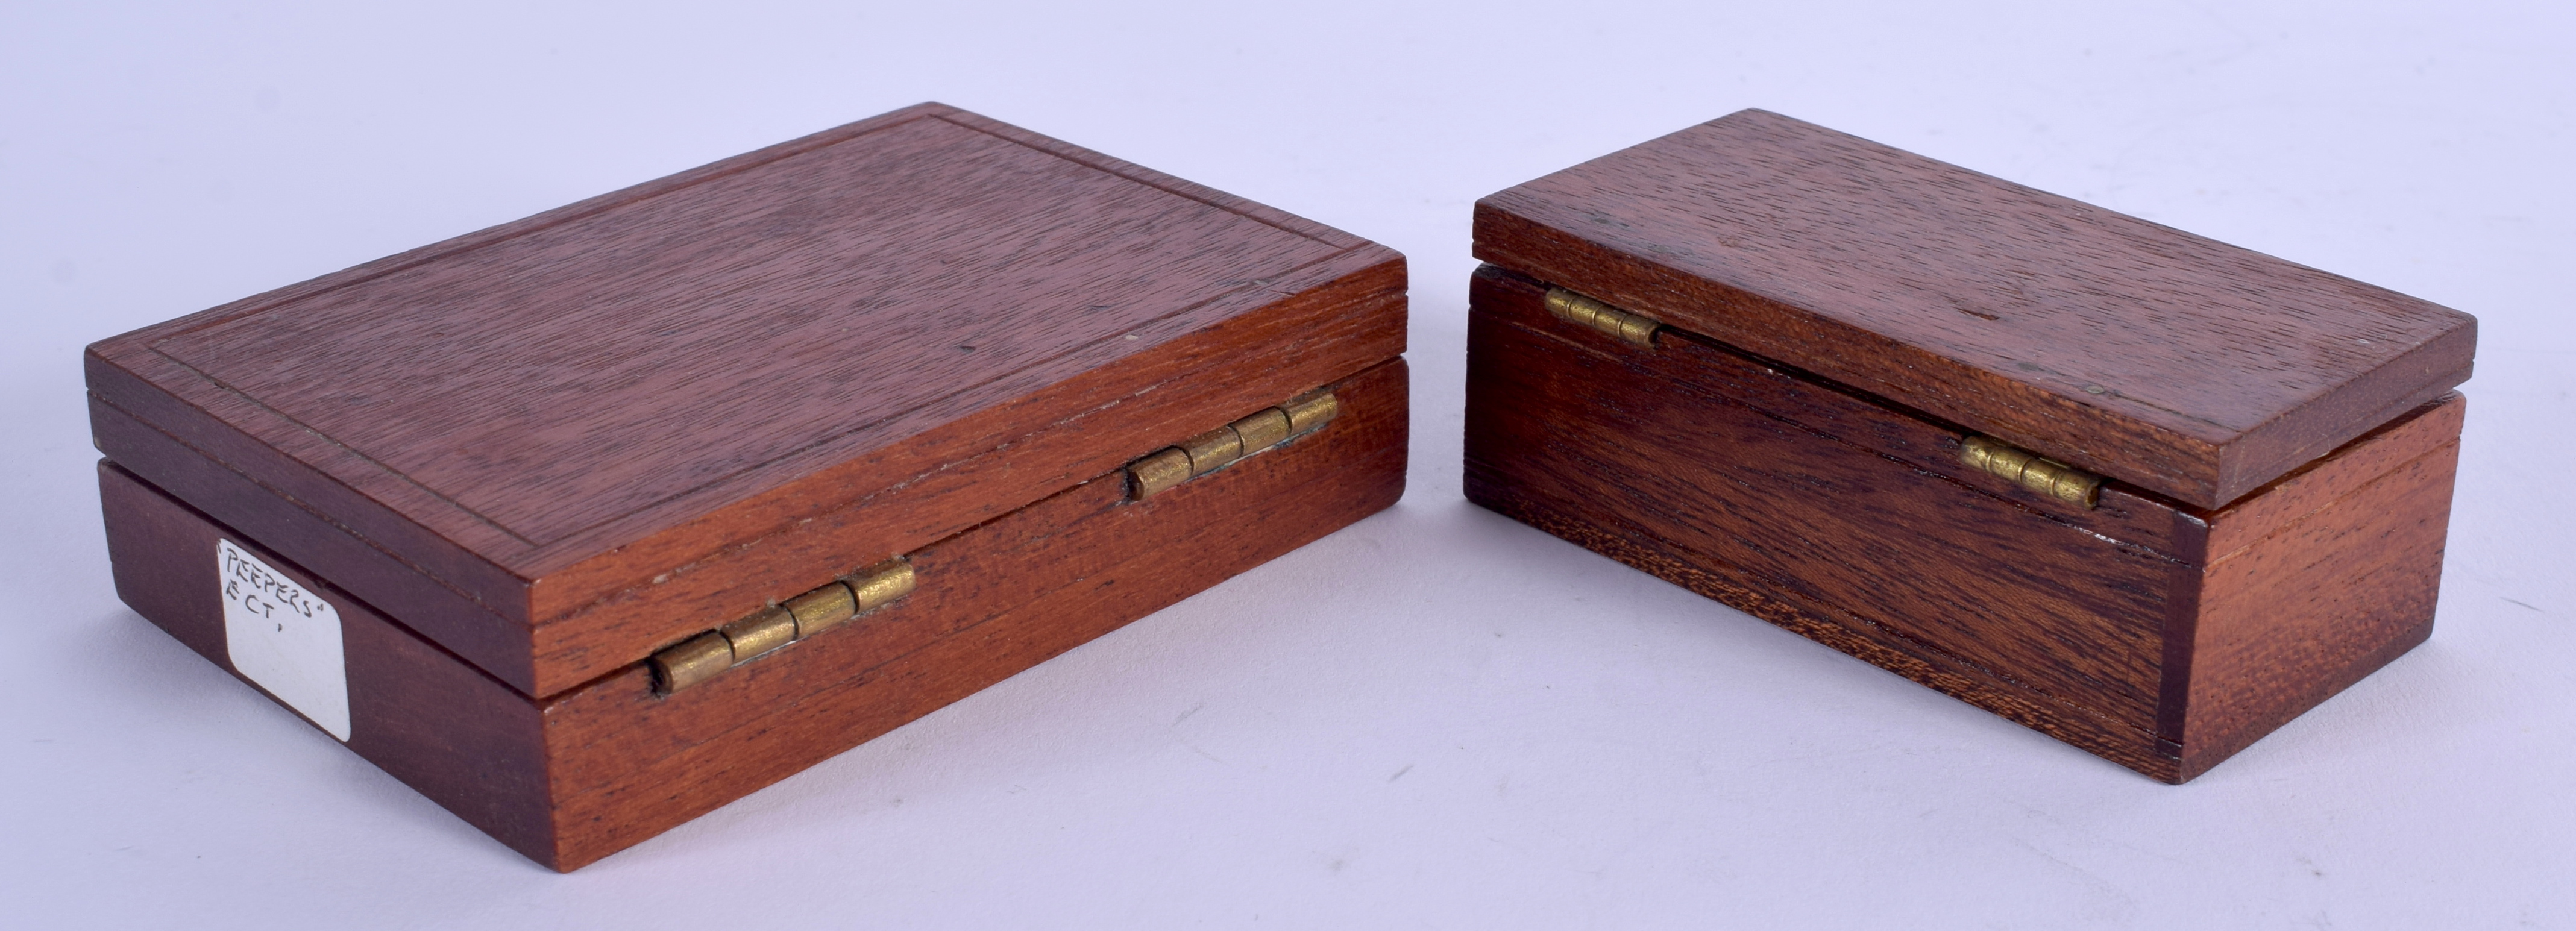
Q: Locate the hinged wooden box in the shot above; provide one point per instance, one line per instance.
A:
(589, 523)
(2148, 493)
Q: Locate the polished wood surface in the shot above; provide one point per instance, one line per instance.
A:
(2177, 364)
(595, 428)
(455, 734)
(1849, 519)
(2317, 581)
(585, 774)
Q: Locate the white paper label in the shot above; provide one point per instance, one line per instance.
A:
(284, 638)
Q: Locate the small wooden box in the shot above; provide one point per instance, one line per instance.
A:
(587, 524)
(2148, 493)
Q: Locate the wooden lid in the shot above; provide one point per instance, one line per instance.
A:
(2165, 360)
(613, 423)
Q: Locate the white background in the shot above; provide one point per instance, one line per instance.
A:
(1437, 718)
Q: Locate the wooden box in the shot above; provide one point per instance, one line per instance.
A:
(2147, 493)
(587, 524)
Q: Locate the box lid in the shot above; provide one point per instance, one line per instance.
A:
(604, 427)
(2171, 362)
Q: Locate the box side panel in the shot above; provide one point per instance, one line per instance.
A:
(459, 737)
(1871, 423)
(2402, 438)
(240, 435)
(993, 601)
(288, 523)
(637, 598)
(1646, 435)
(2053, 616)
(2298, 615)
(2118, 741)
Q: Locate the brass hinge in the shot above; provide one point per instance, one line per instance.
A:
(1626, 327)
(706, 655)
(2046, 476)
(1226, 445)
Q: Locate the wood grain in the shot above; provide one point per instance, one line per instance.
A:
(609, 764)
(454, 734)
(2336, 579)
(2180, 365)
(372, 573)
(2322, 483)
(1173, 545)
(1651, 442)
(598, 425)
(1848, 519)
(2117, 741)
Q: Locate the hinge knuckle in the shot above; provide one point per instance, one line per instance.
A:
(1262, 430)
(833, 604)
(822, 609)
(1213, 450)
(692, 662)
(760, 633)
(877, 585)
(2027, 469)
(1634, 329)
(1207, 452)
(1159, 471)
(1311, 413)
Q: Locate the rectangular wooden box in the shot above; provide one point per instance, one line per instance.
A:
(2145, 492)
(586, 503)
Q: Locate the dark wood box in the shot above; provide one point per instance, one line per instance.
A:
(2148, 493)
(606, 517)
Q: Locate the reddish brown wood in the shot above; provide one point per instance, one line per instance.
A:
(588, 431)
(1848, 519)
(449, 617)
(2180, 365)
(2336, 575)
(585, 774)
(455, 734)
